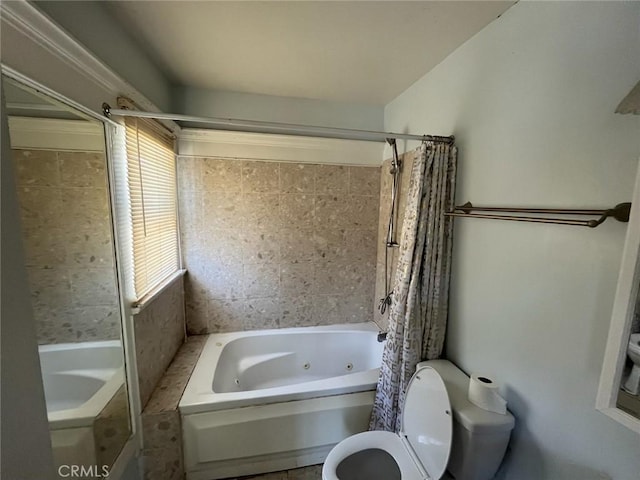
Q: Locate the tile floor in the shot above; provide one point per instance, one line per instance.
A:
(313, 472)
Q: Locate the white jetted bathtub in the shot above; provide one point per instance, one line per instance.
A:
(269, 400)
(79, 380)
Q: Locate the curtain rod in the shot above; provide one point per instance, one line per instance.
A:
(282, 128)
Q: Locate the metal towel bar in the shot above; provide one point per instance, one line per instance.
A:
(620, 212)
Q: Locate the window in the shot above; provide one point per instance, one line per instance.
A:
(149, 203)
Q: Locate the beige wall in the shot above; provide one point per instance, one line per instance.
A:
(531, 101)
(64, 206)
(271, 244)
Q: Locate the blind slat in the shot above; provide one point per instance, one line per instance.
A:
(153, 209)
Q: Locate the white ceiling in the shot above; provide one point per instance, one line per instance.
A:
(362, 51)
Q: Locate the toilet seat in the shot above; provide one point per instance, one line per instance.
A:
(387, 441)
(421, 450)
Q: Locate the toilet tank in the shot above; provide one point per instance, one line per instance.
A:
(480, 437)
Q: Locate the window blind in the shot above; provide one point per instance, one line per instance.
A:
(151, 185)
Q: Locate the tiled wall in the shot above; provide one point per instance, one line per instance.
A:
(67, 235)
(112, 428)
(386, 182)
(161, 426)
(159, 333)
(270, 244)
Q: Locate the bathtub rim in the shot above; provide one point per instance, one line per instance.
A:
(196, 399)
(53, 347)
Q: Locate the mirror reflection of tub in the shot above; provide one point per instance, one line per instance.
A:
(79, 380)
(85, 397)
(63, 193)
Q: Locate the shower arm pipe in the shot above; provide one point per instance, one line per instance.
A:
(276, 127)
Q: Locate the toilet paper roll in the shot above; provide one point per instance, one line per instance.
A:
(483, 392)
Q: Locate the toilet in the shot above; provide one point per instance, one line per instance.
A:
(632, 385)
(442, 434)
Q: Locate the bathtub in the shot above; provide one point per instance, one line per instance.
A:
(79, 380)
(270, 400)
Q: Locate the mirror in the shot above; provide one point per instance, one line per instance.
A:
(63, 192)
(629, 394)
(619, 389)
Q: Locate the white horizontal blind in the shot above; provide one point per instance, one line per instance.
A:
(118, 154)
(151, 178)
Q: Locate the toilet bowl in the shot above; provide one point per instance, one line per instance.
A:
(437, 420)
(632, 385)
(416, 452)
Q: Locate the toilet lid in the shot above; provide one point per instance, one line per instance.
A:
(427, 420)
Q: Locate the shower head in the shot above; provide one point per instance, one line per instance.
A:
(394, 167)
(395, 162)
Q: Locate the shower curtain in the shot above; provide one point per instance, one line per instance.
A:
(418, 314)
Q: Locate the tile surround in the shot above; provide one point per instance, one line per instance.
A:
(159, 333)
(65, 216)
(111, 428)
(162, 464)
(312, 255)
(169, 389)
(269, 244)
(161, 427)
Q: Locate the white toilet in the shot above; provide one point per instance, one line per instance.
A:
(632, 385)
(441, 430)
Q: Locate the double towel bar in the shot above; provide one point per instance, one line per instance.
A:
(620, 212)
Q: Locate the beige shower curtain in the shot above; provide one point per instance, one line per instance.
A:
(418, 315)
